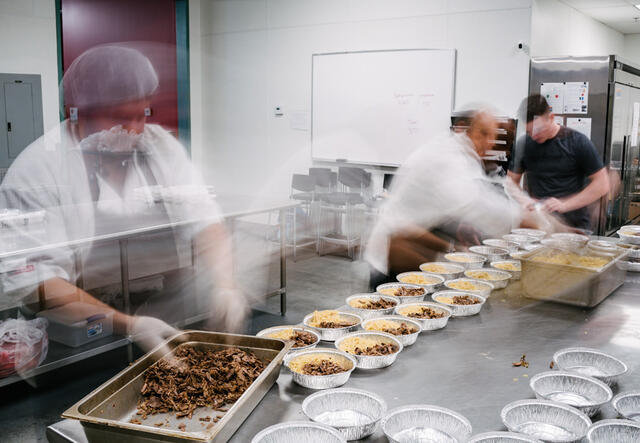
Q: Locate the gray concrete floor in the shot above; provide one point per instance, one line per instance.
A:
(314, 282)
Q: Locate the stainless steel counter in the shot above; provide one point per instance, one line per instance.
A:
(467, 366)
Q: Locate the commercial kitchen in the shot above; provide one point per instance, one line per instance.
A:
(266, 221)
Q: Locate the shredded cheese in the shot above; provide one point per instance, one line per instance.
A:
(484, 275)
(284, 334)
(381, 325)
(572, 259)
(465, 285)
(507, 266)
(418, 279)
(432, 267)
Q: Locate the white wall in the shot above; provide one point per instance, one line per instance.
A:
(28, 46)
(632, 48)
(557, 29)
(257, 54)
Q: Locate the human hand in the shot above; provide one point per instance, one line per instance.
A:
(554, 205)
(229, 309)
(467, 235)
(149, 332)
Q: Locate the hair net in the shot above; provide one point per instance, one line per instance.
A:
(108, 75)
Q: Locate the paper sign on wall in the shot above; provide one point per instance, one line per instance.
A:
(554, 93)
(576, 98)
(582, 125)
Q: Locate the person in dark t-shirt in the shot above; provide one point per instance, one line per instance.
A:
(563, 169)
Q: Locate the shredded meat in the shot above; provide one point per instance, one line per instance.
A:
(301, 338)
(195, 378)
(403, 291)
(379, 349)
(401, 329)
(464, 300)
(335, 324)
(376, 304)
(426, 313)
(323, 367)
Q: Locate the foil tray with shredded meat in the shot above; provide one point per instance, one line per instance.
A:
(194, 377)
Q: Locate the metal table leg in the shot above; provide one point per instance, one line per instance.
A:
(124, 275)
(283, 264)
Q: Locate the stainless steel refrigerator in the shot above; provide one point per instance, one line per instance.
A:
(612, 109)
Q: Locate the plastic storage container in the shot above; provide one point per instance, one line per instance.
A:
(78, 323)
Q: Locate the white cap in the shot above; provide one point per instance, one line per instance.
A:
(108, 75)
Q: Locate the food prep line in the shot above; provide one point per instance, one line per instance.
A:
(232, 207)
(467, 366)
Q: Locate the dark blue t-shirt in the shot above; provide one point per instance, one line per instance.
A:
(559, 167)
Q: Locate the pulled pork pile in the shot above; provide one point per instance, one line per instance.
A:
(194, 378)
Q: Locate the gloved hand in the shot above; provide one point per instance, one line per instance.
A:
(229, 310)
(149, 332)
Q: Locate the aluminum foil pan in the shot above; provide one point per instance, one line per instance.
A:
(633, 250)
(590, 362)
(533, 233)
(407, 339)
(490, 252)
(298, 431)
(267, 331)
(353, 412)
(418, 423)
(484, 292)
(627, 404)
(373, 361)
(322, 381)
(460, 310)
(451, 270)
(618, 431)
(510, 246)
(500, 278)
(427, 324)
(368, 313)
(475, 261)
(522, 240)
(430, 287)
(503, 437)
(404, 298)
(515, 275)
(545, 420)
(584, 393)
(628, 265)
(628, 234)
(571, 237)
(331, 334)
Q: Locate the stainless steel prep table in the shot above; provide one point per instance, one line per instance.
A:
(467, 366)
(232, 207)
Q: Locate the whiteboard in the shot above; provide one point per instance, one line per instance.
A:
(375, 107)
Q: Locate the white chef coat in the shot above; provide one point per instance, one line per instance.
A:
(439, 183)
(55, 175)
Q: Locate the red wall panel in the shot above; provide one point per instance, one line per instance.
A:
(147, 25)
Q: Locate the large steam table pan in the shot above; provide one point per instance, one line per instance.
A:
(571, 285)
(106, 412)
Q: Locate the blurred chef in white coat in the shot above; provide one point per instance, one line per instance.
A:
(441, 187)
(96, 175)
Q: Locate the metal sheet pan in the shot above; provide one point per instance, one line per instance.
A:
(572, 285)
(106, 412)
